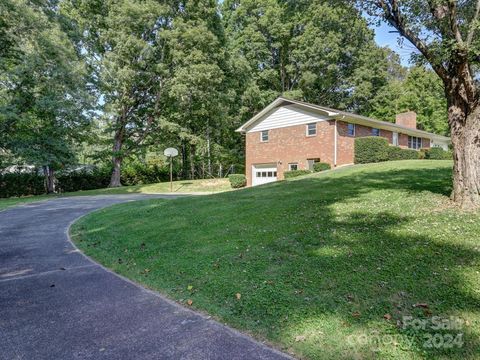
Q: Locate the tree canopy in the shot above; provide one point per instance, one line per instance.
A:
(445, 33)
(154, 73)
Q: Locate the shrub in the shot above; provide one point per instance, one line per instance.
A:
(83, 180)
(437, 153)
(138, 173)
(397, 153)
(371, 149)
(321, 166)
(237, 180)
(294, 173)
(21, 184)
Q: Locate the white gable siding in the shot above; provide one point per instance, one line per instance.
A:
(286, 116)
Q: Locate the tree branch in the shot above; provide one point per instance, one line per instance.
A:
(394, 17)
(452, 15)
(473, 25)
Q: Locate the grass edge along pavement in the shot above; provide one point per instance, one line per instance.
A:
(183, 186)
(314, 265)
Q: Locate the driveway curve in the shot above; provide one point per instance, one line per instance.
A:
(55, 303)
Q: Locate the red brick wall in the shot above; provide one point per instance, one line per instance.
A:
(346, 143)
(290, 145)
(403, 141)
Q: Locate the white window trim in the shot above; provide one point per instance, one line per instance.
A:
(397, 137)
(410, 141)
(354, 129)
(290, 166)
(306, 129)
(261, 135)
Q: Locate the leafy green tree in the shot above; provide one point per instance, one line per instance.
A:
(44, 102)
(126, 47)
(421, 91)
(197, 91)
(445, 32)
(318, 51)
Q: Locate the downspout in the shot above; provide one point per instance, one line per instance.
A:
(335, 143)
(335, 146)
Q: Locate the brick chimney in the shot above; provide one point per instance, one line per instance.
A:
(407, 119)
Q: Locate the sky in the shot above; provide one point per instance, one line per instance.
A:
(385, 37)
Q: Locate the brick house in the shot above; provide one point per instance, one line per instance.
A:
(291, 135)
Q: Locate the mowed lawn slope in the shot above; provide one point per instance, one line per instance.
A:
(323, 267)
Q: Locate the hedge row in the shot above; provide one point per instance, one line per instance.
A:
(376, 149)
(18, 184)
(397, 153)
(321, 166)
(371, 150)
(294, 173)
(438, 154)
(25, 184)
(83, 180)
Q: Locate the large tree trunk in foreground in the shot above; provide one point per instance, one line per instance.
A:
(464, 122)
(116, 172)
(117, 157)
(49, 179)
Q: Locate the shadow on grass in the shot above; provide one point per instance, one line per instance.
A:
(367, 269)
(320, 261)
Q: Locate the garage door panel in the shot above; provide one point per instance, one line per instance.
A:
(263, 174)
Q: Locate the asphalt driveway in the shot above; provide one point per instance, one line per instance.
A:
(57, 304)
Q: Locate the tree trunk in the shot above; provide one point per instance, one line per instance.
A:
(464, 122)
(192, 161)
(184, 160)
(116, 172)
(49, 179)
(117, 157)
(209, 160)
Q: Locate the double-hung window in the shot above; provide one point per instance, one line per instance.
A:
(293, 166)
(414, 142)
(312, 129)
(264, 136)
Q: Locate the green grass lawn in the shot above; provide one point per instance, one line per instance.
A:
(184, 186)
(324, 267)
(5, 203)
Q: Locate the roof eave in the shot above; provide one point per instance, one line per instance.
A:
(388, 126)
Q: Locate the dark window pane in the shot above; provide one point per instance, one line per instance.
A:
(351, 129)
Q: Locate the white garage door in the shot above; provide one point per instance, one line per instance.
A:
(264, 173)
